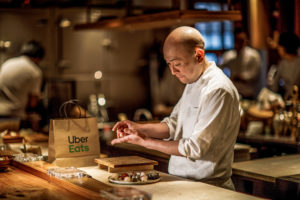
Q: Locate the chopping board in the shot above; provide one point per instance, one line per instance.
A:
(125, 163)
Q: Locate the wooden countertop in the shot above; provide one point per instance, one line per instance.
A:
(172, 187)
(268, 139)
(18, 184)
(268, 169)
(22, 183)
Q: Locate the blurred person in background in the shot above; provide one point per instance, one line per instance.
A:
(201, 131)
(20, 84)
(158, 78)
(281, 78)
(169, 92)
(244, 64)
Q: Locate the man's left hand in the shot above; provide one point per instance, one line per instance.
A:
(131, 136)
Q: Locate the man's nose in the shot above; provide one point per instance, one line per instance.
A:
(173, 69)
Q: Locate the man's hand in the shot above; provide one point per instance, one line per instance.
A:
(146, 135)
(121, 126)
(130, 136)
(128, 131)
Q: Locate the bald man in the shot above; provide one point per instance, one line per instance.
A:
(201, 131)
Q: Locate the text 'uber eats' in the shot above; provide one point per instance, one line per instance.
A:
(74, 145)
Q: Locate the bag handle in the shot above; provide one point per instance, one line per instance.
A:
(63, 108)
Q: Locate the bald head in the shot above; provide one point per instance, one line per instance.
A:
(184, 54)
(185, 36)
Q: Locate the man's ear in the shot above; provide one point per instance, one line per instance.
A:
(199, 54)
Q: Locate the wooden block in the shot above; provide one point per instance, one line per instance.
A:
(131, 168)
(102, 166)
(125, 160)
(12, 139)
(125, 163)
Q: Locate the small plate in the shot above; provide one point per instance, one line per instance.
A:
(133, 183)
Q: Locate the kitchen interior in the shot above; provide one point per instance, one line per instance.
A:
(107, 55)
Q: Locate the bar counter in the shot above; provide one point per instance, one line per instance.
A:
(169, 187)
(260, 177)
(27, 178)
(173, 187)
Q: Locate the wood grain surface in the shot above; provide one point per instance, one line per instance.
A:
(125, 161)
(86, 187)
(18, 184)
(175, 188)
(268, 169)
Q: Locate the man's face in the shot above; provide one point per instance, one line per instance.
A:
(240, 41)
(281, 51)
(181, 63)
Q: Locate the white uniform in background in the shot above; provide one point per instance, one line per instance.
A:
(206, 122)
(19, 77)
(247, 65)
(288, 74)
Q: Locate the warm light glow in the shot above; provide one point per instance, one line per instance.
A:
(98, 75)
(101, 101)
(65, 23)
(7, 44)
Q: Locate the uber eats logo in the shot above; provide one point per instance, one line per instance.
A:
(76, 144)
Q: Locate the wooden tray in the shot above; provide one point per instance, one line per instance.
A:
(125, 163)
(12, 139)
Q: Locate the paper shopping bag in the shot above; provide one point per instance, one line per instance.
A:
(73, 142)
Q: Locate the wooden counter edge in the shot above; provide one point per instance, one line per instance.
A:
(253, 175)
(39, 172)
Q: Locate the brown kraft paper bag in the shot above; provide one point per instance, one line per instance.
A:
(73, 142)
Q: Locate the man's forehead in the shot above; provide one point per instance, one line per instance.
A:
(171, 58)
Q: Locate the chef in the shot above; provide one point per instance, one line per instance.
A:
(201, 131)
(288, 70)
(20, 81)
(244, 63)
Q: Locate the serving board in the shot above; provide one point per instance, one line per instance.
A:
(12, 139)
(125, 163)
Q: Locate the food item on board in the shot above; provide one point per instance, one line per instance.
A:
(67, 172)
(120, 135)
(134, 177)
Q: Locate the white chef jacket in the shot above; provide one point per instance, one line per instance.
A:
(206, 122)
(288, 73)
(246, 64)
(19, 77)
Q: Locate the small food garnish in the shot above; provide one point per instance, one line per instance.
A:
(115, 176)
(124, 175)
(127, 179)
(144, 178)
(135, 177)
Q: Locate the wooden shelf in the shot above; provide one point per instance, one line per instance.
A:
(162, 19)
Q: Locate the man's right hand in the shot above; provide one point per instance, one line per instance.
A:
(128, 131)
(122, 128)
